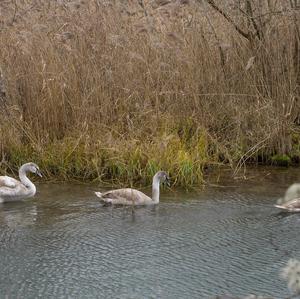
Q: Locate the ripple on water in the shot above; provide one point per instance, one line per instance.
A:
(216, 242)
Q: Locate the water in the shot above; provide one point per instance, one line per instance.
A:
(223, 239)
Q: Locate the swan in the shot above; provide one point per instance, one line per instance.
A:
(291, 200)
(128, 196)
(13, 190)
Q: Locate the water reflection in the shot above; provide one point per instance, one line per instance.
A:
(17, 214)
(229, 239)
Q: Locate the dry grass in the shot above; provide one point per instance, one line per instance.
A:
(97, 90)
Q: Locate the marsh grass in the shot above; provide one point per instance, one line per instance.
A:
(108, 91)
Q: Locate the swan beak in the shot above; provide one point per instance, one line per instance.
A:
(39, 173)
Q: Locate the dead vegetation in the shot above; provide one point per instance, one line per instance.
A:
(117, 90)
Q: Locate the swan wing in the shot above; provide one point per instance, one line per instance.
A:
(292, 192)
(11, 189)
(6, 181)
(126, 196)
(292, 205)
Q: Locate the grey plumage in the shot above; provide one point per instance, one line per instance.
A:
(129, 196)
(291, 200)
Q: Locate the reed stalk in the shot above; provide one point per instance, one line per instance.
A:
(96, 90)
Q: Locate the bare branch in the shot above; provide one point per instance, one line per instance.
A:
(228, 18)
(222, 55)
(250, 14)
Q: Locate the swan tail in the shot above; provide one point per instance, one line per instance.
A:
(288, 209)
(280, 207)
(99, 194)
(105, 200)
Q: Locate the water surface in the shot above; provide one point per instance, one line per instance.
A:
(226, 238)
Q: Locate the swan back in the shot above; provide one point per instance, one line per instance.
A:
(129, 196)
(125, 196)
(12, 190)
(290, 206)
(291, 200)
(291, 193)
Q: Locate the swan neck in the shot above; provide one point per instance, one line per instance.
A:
(155, 189)
(26, 181)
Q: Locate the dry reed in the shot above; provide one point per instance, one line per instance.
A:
(103, 90)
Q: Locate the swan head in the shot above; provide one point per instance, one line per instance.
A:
(163, 177)
(32, 167)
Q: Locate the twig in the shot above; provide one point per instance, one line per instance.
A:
(222, 56)
(248, 154)
(228, 18)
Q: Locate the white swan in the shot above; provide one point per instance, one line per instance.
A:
(128, 196)
(291, 200)
(13, 190)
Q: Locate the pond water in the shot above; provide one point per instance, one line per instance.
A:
(226, 238)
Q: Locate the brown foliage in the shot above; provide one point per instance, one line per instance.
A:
(114, 72)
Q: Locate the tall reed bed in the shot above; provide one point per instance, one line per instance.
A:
(111, 91)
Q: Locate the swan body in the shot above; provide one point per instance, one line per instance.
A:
(14, 190)
(290, 206)
(291, 200)
(129, 196)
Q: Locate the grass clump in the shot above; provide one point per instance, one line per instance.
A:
(281, 160)
(132, 161)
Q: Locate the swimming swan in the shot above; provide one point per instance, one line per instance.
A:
(128, 196)
(291, 200)
(13, 190)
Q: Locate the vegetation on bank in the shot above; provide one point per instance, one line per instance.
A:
(115, 91)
